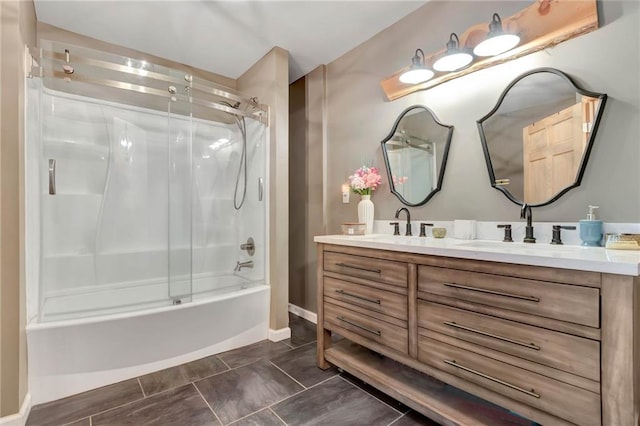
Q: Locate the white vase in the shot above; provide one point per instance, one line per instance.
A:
(365, 213)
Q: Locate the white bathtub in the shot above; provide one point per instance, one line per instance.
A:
(72, 356)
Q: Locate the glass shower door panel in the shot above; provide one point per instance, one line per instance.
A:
(131, 235)
(73, 167)
(179, 207)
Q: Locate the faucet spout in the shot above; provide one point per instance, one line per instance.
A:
(240, 265)
(525, 213)
(408, 228)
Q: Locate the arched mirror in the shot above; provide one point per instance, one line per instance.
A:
(415, 155)
(537, 138)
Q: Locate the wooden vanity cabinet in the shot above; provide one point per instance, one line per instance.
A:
(557, 346)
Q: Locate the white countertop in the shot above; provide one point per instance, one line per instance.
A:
(597, 259)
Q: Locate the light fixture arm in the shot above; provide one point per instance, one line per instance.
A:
(453, 43)
(495, 26)
(418, 59)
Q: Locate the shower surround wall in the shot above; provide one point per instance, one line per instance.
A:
(142, 219)
(124, 205)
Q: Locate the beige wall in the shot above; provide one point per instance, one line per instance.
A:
(307, 108)
(298, 158)
(49, 32)
(268, 79)
(17, 29)
(359, 116)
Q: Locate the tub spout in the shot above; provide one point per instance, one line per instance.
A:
(240, 265)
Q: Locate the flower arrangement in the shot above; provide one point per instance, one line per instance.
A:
(365, 180)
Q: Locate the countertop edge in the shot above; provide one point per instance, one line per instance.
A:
(604, 265)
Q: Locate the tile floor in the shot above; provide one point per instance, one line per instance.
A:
(262, 384)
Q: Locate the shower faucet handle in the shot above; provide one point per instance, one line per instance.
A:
(249, 246)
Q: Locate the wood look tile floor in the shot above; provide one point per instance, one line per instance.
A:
(263, 384)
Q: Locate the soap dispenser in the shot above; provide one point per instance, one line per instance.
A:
(591, 229)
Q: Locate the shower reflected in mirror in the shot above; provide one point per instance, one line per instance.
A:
(415, 155)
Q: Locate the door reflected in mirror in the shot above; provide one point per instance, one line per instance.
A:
(538, 137)
(415, 154)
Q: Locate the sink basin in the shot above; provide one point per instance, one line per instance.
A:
(396, 239)
(520, 247)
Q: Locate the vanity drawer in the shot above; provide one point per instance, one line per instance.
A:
(373, 299)
(571, 303)
(568, 402)
(386, 271)
(337, 319)
(565, 352)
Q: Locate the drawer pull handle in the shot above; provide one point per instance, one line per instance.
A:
(376, 332)
(497, 293)
(493, 379)
(366, 299)
(360, 268)
(495, 336)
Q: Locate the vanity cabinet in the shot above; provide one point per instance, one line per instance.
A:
(556, 346)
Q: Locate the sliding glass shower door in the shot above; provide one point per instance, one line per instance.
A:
(150, 183)
(180, 192)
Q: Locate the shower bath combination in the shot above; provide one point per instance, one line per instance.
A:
(141, 203)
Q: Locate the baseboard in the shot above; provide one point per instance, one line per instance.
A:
(20, 418)
(280, 334)
(303, 313)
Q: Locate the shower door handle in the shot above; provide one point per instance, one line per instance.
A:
(260, 189)
(52, 176)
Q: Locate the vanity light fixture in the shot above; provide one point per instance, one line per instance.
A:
(455, 58)
(497, 40)
(418, 73)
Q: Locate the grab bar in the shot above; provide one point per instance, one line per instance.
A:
(260, 189)
(52, 176)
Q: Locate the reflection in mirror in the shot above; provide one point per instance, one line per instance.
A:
(415, 155)
(537, 138)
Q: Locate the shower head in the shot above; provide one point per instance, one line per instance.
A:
(234, 106)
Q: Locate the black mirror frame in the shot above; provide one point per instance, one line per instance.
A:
(587, 150)
(445, 155)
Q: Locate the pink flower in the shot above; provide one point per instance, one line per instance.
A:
(365, 180)
(399, 180)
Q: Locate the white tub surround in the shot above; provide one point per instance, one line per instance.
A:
(596, 259)
(68, 357)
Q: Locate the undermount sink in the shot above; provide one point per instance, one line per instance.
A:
(518, 246)
(397, 239)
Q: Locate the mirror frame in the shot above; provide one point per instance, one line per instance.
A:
(445, 155)
(587, 149)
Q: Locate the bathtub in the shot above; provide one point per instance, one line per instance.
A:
(74, 355)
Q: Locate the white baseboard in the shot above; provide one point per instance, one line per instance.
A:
(308, 315)
(280, 334)
(20, 418)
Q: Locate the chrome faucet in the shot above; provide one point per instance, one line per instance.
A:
(525, 213)
(240, 265)
(404, 209)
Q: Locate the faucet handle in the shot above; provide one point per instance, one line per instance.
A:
(507, 233)
(555, 239)
(423, 228)
(396, 227)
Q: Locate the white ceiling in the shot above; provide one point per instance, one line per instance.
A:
(227, 37)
